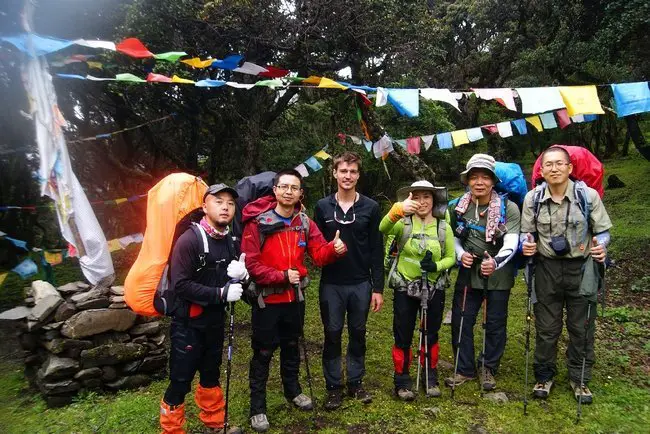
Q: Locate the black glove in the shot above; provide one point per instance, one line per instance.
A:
(427, 264)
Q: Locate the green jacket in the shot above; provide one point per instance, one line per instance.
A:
(413, 252)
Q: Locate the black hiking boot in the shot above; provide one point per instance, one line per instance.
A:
(334, 399)
(358, 392)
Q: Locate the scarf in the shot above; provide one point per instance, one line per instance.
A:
(213, 232)
(493, 213)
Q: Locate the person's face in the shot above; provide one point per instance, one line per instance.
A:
(288, 191)
(219, 208)
(347, 175)
(425, 199)
(480, 183)
(556, 168)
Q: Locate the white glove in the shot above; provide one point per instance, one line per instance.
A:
(237, 269)
(235, 291)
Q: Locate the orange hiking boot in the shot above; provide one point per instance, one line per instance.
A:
(210, 401)
(172, 418)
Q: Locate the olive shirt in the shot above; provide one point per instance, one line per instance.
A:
(577, 234)
(413, 252)
(475, 243)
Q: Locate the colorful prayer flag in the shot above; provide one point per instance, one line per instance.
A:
(313, 164)
(631, 98)
(520, 124)
(534, 121)
(505, 129)
(503, 96)
(563, 118)
(428, 140)
(548, 121)
(302, 169)
(459, 137)
(413, 145)
(130, 78)
(581, 100)
(322, 155)
(177, 79)
(490, 128)
(474, 134)
(134, 48)
(26, 269)
(195, 62)
(444, 141)
(406, 101)
(540, 99)
(171, 56)
(443, 95)
(331, 84)
(53, 258)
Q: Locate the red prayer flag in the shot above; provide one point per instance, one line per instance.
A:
(274, 72)
(491, 128)
(413, 145)
(134, 48)
(158, 78)
(563, 118)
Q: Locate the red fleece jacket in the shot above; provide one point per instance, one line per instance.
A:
(267, 264)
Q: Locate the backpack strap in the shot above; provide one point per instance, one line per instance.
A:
(203, 237)
(538, 193)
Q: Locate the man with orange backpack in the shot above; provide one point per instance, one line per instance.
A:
(276, 236)
(205, 275)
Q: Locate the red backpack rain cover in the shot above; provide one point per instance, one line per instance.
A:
(586, 168)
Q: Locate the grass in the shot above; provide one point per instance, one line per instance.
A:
(620, 385)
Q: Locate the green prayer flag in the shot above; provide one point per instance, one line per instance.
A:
(129, 77)
(171, 56)
(270, 83)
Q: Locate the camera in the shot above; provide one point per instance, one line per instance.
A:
(560, 245)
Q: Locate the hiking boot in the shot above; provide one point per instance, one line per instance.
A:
(457, 380)
(360, 393)
(487, 379)
(587, 397)
(433, 391)
(405, 394)
(260, 423)
(334, 399)
(542, 389)
(303, 402)
(230, 430)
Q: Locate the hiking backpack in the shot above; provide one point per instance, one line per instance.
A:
(172, 205)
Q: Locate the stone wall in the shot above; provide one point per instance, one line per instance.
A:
(76, 337)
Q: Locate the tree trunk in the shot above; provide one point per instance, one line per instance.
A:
(637, 136)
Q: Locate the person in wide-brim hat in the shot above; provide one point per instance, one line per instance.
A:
(403, 192)
(480, 162)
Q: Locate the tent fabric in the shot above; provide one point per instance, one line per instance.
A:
(168, 202)
(586, 167)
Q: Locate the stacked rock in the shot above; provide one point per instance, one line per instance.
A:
(76, 337)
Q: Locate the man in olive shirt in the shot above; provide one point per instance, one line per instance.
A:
(565, 227)
(486, 241)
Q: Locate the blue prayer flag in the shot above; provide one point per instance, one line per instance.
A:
(548, 120)
(406, 101)
(631, 98)
(231, 62)
(210, 83)
(313, 164)
(26, 269)
(520, 124)
(444, 141)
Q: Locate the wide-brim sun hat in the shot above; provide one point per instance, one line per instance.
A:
(480, 161)
(403, 192)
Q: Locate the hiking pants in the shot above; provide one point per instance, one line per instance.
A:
(335, 301)
(275, 325)
(193, 349)
(557, 284)
(405, 319)
(495, 330)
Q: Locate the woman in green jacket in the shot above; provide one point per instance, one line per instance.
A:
(425, 243)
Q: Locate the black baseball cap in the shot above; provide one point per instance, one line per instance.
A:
(218, 188)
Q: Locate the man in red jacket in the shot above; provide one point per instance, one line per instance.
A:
(276, 235)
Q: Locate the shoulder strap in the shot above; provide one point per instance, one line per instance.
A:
(442, 235)
(537, 200)
(406, 232)
(203, 239)
(305, 222)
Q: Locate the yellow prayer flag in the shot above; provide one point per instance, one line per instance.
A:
(536, 122)
(581, 100)
(177, 79)
(114, 245)
(459, 137)
(96, 65)
(3, 276)
(322, 155)
(53, 258)
(198, 63)
(119, 201)
(312, 79)
(331, 84)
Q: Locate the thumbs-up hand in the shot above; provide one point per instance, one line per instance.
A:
(488, 265)
(339, 245)
(409, 205)
(529, 247)
(237, 269)
(598, 252)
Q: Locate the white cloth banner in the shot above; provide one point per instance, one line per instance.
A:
(540, 99)
(443, 95)
(503, 96)
(427, 141)
(250, 68)
(107, 45)
(240, 85)
(77, 220)
(505, 129)
(382, 97)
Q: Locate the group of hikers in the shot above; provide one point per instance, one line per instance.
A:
(483, 233)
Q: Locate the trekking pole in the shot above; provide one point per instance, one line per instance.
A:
(460, 334)
(530, 282)
(231, 337)
(584, 362)
(296, 288)
(601, 270)
(484, 324)
(423, 303)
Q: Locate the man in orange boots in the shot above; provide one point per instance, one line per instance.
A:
(205, 275)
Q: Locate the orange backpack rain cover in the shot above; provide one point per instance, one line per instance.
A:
(167, 203)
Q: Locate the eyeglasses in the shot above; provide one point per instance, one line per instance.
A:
(558, 164)
(344, 222)
(287, 187)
